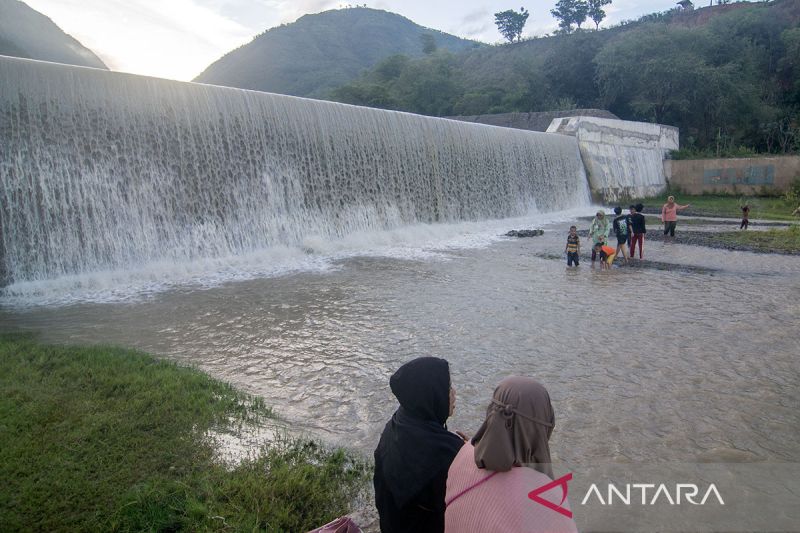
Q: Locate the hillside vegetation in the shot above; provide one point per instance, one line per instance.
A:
(726, 75)
(24, 32)
(322, 51)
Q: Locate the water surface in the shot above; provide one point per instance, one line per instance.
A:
(642, 364)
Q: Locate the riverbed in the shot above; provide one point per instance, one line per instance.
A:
(693, 363)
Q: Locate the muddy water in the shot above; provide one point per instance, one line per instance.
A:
(642, 364)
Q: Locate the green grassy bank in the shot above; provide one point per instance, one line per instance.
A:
(774, 208)
(107, 439)
(729, 206)
(774, 240)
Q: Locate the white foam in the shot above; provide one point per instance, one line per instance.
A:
(421, 242)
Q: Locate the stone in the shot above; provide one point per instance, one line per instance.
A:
(525, 233)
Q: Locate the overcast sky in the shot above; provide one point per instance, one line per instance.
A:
(177, 39)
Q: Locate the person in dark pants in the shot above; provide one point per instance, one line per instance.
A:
(669, 216)
(638, 229)
(416, 449)
(745, 217)
(573, 248)
(620, 226)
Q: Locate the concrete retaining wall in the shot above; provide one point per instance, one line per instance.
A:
(532, 121)
(623, 159)
(742, 176)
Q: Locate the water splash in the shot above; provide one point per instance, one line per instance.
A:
(103, 171)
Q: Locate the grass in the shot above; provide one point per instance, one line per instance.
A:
(716, 205)
(785, 240)
(108, 439)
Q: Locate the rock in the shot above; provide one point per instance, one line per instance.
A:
(525, 233)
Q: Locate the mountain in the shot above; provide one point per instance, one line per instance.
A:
(727, 75)
(322, 51)
(24, 32)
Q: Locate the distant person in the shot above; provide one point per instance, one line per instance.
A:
(573, 248)
(620, 227)
(638, 229)
(745, 217)
(598, 231)
(669, 216)
(491, 477)
(416, 449)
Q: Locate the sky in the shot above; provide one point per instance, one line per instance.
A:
(178, 39)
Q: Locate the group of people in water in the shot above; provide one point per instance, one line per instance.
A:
(629, 230)
(429, 479)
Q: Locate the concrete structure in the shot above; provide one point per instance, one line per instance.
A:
(532, 121)
(744, 176)
(623, 159)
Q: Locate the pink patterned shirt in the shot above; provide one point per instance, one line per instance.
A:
(482, 501)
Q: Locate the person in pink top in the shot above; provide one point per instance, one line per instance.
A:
(491, 478)
(669, 216)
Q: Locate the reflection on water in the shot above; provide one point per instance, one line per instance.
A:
(641, 364)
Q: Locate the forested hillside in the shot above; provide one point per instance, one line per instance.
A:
(322, 51)
(728, 76)
(24, 32)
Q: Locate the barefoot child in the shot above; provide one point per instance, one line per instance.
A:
(573, 248)
(745, 217)
(607, 255)
(620, 226)
(638, 229)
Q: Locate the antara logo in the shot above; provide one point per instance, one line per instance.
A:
(687, 492)
(562, 482)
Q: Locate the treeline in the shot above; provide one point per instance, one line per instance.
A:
(728, 76)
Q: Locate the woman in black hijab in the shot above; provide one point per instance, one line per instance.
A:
(416, 449)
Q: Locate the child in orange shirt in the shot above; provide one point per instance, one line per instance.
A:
(607, 255)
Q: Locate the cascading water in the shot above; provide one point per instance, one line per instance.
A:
(101, 170)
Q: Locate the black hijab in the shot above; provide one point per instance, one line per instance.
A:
(415, 445)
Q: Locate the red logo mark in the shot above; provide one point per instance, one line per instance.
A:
(562, 482)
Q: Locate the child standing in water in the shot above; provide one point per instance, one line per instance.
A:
(573, 248)
(637, 229)
(620, 226)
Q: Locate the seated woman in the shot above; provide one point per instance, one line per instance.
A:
(489, 481)
(416, 449)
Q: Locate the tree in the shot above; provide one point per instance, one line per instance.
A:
(428, 43)
(596, 11)
(510, 23)
(579, 12)
(569, 12)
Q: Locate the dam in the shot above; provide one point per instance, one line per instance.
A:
(303, 250)
(102, 171)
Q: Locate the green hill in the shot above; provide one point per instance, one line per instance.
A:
(24, 32)
(726, 75)
(322, 51)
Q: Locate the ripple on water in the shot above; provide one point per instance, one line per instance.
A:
(642, 364)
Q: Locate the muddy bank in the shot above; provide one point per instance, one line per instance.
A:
(718, 241)
(709, 239)
(586, 261)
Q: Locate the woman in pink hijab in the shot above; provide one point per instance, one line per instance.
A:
(669, 216)
(490, 480)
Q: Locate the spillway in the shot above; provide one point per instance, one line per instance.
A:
(102, 170)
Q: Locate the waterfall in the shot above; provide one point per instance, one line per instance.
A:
(102, 170)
